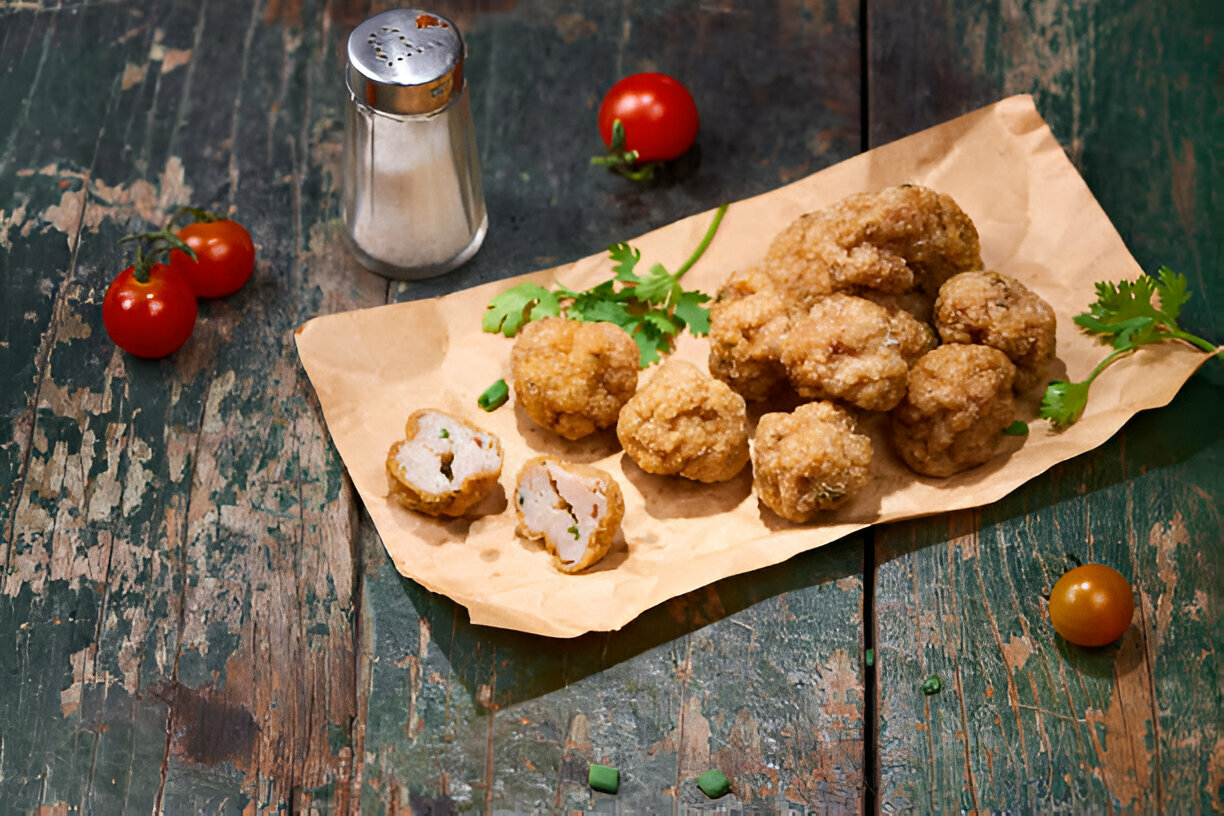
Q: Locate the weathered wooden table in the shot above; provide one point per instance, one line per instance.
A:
(197, 615)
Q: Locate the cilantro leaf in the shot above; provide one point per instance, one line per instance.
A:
(1123, 316)
(658, 287)
(626, 258)
(694, 315)
(651, 308)
(518, 305)
(1173, 292)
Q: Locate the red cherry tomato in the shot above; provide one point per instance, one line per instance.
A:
(149, 319)
(657, 112)
(226, 257)
(1091, 605)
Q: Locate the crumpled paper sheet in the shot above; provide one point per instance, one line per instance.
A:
(1038, 223)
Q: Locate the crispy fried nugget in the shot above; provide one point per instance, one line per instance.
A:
(683, 422)
(851, 349)
(953, 415)
(747, 323)
(574, 509)
(444, 466)
(894, 240)
(810, 460)
(994, 310)
(573, 377)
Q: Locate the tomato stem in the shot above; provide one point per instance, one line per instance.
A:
(160, 244)
(198, 215)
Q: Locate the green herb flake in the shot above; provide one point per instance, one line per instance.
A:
(932, 685)
(445, 434)
(494, 396)
(1017, 428)
(714, 783)
(573, 531)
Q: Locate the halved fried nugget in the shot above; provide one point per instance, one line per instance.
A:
(444, 465)
(574, 509)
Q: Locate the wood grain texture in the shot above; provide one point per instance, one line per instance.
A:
(187, 516)
(1025, 721)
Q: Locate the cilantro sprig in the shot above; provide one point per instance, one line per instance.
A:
(652, 307)
(1125, 317)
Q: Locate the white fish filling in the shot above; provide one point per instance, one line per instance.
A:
(564, 508)
(444, 454)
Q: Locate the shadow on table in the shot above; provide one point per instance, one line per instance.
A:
(1151, 440)
(528, 666)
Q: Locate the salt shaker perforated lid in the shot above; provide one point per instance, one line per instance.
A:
(405, 61)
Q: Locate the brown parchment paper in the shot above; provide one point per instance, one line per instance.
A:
(1038, 223)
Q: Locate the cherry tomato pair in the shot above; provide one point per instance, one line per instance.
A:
(1091, 605)
(644, 119)
(150, 308)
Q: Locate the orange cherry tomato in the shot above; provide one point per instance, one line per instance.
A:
(1091, 605)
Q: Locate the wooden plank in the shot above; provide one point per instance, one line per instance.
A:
(189, 516)
(461, 717)
(1027, 722)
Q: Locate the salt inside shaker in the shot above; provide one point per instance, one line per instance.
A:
(413, 206)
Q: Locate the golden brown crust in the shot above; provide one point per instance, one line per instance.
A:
(809, 461)
(851, 349)
(682, 422)
(540, 476)
(953, 415)
(895, 240)
(748, 320)
(415, 477)
(573, 377)
(995, 310)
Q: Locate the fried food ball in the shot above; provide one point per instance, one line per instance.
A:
(851, 349)
(994, 310)
(747, 323)
(958, 403)
(444, 465)
(574, 509)
(894, 240)
(573, 377)
(683, 422)
(810, 460)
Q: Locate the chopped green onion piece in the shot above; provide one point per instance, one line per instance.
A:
(573, 531)
(445, 434)
(603, 778)
(714, 783)
(932, 685)
(494, 396)
(1017, 428)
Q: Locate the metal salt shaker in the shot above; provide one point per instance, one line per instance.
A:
(413, 206)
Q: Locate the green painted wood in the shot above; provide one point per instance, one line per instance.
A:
(189, 514)
(204, 620)
(1026, 722)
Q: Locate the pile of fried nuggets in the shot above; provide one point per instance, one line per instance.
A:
(877, 304)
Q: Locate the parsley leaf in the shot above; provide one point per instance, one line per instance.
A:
(652, 308)
(1124, 317)
(528, 301)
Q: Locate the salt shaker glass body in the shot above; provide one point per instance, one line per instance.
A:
(413, 206)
